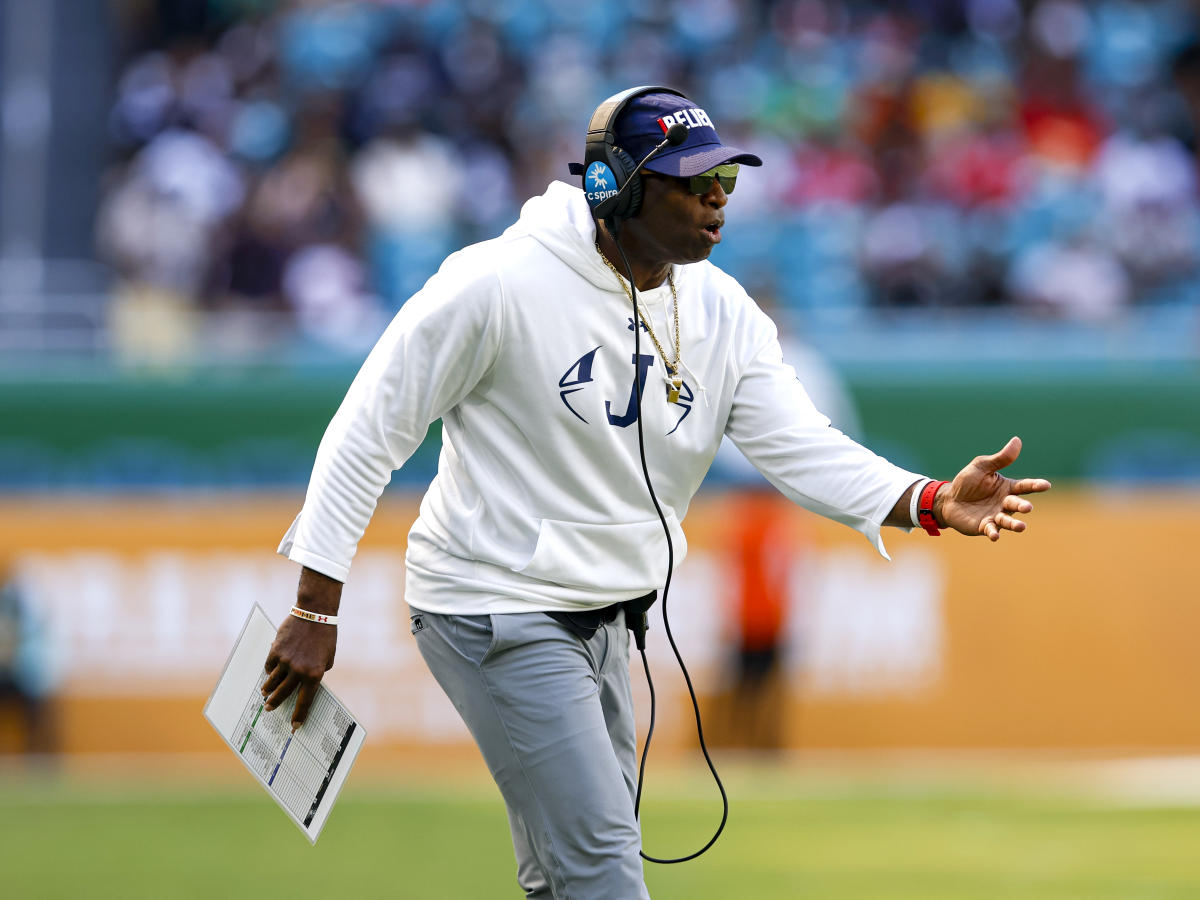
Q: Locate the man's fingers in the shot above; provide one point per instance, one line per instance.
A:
(304, 699)
(1009, 523)
(1014, 504)
(275, 676)
(993, 525)
(272, 660)
(1030, 486)
(1006, 456)
(284, 690)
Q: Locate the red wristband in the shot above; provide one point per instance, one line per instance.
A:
(925, 514)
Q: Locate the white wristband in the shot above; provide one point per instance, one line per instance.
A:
(313, 617)
(916, 497)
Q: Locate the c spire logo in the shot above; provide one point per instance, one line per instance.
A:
(599, 183)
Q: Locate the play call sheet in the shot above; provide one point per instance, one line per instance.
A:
(302, 771)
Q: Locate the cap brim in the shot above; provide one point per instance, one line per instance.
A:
(689, 161)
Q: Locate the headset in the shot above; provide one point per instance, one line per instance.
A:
(622, 200)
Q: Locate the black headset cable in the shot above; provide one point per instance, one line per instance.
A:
(614, 227)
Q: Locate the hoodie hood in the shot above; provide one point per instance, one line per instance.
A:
(561, 221)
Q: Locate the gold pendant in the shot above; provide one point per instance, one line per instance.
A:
(673, 391)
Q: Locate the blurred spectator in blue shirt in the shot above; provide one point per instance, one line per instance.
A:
(26, 678)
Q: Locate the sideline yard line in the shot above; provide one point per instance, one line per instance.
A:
(1137, 781)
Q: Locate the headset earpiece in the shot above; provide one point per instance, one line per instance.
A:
(606, 167)
(628, 205)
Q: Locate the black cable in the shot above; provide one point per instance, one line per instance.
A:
(637, 802)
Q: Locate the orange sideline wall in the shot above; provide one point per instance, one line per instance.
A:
(1080, 634)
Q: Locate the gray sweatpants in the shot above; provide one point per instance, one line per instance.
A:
(553, 715)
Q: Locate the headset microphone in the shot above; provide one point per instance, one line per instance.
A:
(675, 136)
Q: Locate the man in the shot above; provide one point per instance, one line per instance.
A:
(538, 525)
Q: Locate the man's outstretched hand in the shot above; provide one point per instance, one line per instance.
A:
(303, 651)
(982, 501)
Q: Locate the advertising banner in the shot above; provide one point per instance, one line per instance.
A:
(1077, 634)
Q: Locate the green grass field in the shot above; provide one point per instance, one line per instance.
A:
(792, 833)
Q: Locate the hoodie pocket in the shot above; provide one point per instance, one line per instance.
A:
(631, 556)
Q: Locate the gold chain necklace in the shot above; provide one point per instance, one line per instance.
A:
(672, 366)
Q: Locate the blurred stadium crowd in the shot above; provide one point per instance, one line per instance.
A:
(303, 166)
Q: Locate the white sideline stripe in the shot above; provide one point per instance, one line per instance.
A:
(162, 779)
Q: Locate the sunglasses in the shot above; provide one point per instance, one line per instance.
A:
(726, 176)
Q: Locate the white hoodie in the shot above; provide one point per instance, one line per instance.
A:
(523, 346)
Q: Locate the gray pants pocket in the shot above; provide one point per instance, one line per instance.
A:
(474, 636)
